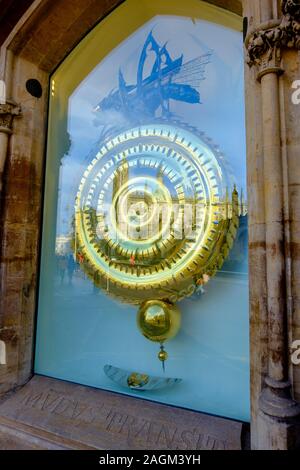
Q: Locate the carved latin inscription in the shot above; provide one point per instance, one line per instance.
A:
(116, 421)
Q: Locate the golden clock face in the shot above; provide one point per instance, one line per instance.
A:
(154, 215)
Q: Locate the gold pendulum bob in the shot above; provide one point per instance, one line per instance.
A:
(159, 321)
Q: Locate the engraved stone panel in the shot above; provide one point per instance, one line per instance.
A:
(48, 413)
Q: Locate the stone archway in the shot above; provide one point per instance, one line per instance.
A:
(33, 50)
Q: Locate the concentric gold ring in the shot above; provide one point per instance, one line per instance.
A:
(151, 214)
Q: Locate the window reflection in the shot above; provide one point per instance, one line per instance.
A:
(152, 218)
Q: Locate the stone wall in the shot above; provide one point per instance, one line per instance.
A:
(45, 35)
(273, 184)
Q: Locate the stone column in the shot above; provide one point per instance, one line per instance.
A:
(274, 28)
(8, 111)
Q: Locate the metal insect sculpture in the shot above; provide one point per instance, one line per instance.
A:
(168, 80)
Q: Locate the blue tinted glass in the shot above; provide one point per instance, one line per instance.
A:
(146, 212)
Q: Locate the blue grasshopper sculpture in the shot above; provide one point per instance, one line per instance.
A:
(168, 80)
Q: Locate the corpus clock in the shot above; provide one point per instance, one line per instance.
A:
(154, 221)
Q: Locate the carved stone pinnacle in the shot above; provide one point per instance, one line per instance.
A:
(8, 111)
(265, 43)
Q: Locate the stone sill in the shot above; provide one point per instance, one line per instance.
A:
(52, 414)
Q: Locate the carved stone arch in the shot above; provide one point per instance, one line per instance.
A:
(45, 35)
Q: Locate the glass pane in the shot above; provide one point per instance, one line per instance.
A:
(144, 286)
